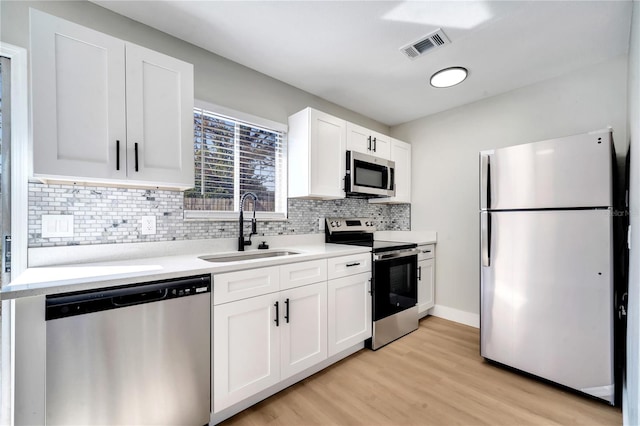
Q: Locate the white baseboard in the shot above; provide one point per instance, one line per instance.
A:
(452, 314)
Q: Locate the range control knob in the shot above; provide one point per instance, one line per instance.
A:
(333, 223)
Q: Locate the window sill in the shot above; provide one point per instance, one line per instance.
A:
(218, 216)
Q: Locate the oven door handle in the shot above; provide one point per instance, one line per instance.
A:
(395, 254)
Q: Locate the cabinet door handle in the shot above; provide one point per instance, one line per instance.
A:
(375, 143)
(369, 143)
(348, 265)
(286, 312)
(277, 320)
(135, 147)
(419, 273)
(117, 155)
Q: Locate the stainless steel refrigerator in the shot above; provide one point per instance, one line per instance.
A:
(546, 228)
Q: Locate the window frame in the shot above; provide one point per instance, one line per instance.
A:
(220, 215)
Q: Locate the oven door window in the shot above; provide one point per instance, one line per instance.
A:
(396, 286)
(370, 175)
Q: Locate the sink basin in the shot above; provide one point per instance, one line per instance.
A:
(238, 257)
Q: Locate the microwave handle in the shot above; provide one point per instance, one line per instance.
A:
(391, 179)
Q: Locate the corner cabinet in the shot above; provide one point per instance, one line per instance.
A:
(108, 111)
(401, 155)
(316, 155)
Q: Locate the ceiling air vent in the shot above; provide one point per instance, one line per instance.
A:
(426, 44)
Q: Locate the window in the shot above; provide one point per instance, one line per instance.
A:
(235, 154)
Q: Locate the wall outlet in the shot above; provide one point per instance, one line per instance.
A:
(148, 225)
(321, 223)
(57, 225)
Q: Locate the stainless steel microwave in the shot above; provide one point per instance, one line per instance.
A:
(369, 176)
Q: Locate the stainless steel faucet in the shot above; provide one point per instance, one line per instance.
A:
(241, 241)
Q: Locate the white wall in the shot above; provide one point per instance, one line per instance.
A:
(445, 154)
(631, 390)
(217, 79)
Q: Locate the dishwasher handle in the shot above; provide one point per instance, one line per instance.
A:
(137, 298)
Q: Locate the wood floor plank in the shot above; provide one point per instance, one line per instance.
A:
(433, 376)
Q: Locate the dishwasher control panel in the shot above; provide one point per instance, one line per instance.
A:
(84, 302)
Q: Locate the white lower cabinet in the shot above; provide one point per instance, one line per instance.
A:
(246, 348)
(303, 328)
(349, 311)
(426, 279)
(298, 321)
(260, 340)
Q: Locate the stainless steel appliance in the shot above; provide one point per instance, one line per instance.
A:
(394, 278)
(547, 260)
(138, 354)
(369, 176)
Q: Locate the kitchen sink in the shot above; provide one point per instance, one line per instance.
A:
(238, 257)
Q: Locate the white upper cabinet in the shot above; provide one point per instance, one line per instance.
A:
(159, 118)
(367, 141)
(108, 111)
(79, 102)
(401, 155)
(317, 155)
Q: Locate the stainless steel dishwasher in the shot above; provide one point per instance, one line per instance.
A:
(131, 355)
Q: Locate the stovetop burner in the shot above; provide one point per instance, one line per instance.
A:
(359, 231)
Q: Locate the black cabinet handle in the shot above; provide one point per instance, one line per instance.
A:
(286, 314)
(369, 143)
(352, 264)
(277, 320)
(135, 147)
(117, 155)
(419, 273)
(374, 144)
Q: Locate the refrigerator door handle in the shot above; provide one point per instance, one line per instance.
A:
(485, 181)
(485, 238)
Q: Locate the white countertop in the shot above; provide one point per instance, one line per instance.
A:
(418, 237)
(85, 276)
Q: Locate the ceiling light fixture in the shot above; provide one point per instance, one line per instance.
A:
(449, 77)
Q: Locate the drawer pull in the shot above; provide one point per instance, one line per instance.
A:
(352, 264)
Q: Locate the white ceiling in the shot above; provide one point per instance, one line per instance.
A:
(347, 52)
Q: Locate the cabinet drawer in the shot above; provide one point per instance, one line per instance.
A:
(348, 265)
(303, 273)
(243, 284)
(427, 251)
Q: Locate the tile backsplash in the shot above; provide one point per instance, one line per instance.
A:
(105, 215)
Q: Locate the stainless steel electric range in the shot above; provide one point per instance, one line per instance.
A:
(394, 282)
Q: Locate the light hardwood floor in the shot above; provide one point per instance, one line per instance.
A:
(433, 376)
